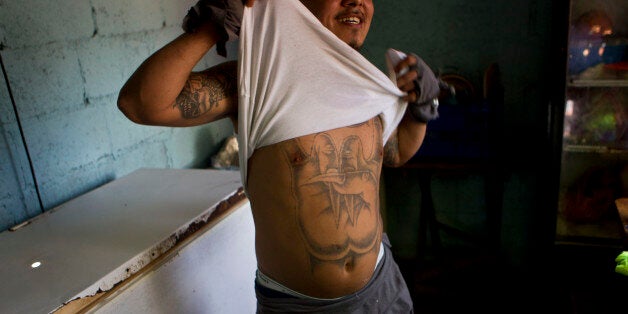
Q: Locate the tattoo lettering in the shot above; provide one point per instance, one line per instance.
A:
(203, 92)
(336, 185)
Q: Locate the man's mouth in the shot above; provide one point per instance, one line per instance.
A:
(354, 20)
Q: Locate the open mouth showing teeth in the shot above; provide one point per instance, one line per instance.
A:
(350, 20)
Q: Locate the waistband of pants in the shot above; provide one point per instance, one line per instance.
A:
(267, 282)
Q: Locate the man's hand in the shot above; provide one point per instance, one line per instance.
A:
(226, 15)
(417, 79)
(422, 87)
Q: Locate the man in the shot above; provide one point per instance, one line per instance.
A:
(318, 238)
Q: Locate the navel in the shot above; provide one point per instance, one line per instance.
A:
(350, 263)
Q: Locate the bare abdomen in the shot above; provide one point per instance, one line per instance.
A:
(315, 202)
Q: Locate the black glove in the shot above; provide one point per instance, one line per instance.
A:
(225, 14)
(427, 88)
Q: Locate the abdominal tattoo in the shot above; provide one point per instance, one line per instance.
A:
(335, 183)
(203, 91)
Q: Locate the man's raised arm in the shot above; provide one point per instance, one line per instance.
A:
(165, 91)
(150, 95)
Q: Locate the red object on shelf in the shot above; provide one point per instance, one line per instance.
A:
(623, 65)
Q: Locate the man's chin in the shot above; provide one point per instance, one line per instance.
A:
(355, 45)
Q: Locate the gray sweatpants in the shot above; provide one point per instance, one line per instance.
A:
(386, 292)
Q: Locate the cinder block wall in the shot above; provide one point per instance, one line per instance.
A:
(64, 62)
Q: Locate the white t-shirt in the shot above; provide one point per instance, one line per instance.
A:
(297, 78)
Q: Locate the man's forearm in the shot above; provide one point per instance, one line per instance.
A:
(155, 85)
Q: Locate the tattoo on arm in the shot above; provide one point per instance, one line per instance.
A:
(205, 90)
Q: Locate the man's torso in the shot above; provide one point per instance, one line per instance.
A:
(315, 202)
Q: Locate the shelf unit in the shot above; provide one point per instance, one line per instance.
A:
(594, 148)
(598, 83)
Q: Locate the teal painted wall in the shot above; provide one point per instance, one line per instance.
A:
(65, 62)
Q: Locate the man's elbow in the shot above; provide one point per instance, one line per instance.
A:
(397, 160)
(128, 107)
(392, 161)
(396, 164)
(134, 109)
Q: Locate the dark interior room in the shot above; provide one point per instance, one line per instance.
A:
(516, 198)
